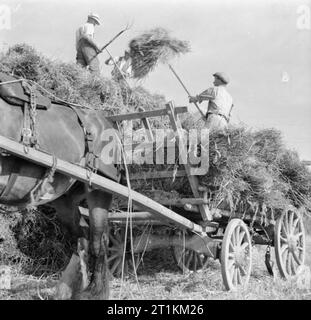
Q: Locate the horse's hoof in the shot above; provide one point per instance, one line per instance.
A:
(91, 293)
(63, 292)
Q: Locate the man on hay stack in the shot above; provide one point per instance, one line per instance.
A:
(87, 49)
(220, 103)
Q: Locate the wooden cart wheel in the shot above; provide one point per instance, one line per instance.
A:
(289, 243)
(116, 252)
(189, 260)
(236, 255)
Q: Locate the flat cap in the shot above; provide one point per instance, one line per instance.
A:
(222, 76)
(95, 17)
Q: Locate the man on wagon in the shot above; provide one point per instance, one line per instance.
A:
(122, 66)
(220, 102)
(87, 49)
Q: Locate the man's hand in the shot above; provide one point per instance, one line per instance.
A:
(108, 61)
(192, 99)
(98, 50)
(195, 99)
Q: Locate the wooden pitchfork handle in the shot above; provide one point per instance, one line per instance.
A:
(176, 75)
(108, 43)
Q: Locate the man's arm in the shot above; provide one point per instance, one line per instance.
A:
(91, 41)
(112, 61)
(208, 94)
(86, 32)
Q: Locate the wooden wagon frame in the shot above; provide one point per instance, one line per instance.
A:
(213, 233)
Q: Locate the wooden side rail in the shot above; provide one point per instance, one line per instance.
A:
(145, 114)
(157, 175)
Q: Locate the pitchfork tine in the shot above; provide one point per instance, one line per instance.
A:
(129, 25)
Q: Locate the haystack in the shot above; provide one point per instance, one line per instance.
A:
(75, 84)
(249, 170)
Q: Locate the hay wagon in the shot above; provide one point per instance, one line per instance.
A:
(194, 231)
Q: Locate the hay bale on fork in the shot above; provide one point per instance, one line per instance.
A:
(153, 47)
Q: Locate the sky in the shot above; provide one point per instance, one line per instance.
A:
(264, 46)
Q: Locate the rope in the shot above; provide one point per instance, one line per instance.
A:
(128, 221)
(46, 91)
(13, 81)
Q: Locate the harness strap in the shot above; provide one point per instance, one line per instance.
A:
(26, 130)
(40, 188)
(91, 159)
(11, 181)
(10, 184)
(29, 131)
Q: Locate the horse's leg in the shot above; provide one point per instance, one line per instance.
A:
(99, 204)
(74, 277)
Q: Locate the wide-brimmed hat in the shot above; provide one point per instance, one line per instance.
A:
(222, 76)
(95, 17)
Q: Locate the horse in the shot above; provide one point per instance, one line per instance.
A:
(63, 131)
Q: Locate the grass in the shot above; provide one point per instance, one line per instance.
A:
(169, 283)
(160, 279)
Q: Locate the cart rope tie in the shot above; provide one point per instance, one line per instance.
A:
(41, 187)
(129, 221)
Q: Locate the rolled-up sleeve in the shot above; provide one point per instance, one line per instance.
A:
(209, 93)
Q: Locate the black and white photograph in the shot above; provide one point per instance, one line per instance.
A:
(155, 150)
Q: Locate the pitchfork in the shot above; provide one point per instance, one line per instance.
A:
(128, 26)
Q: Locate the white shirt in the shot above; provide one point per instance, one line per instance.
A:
(221, 98)
(87, 29)
(124, 65)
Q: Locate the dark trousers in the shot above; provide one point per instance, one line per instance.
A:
(86, 56)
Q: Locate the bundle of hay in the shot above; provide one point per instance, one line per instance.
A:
(153, 47)
(34, 243)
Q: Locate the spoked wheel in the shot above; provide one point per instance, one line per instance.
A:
(236, 255)
(116, 253)
(189, 260)
(289, 242)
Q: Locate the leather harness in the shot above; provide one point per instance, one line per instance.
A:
(28, 99)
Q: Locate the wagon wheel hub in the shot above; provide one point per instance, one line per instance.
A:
(239, 257)
(293, 242)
